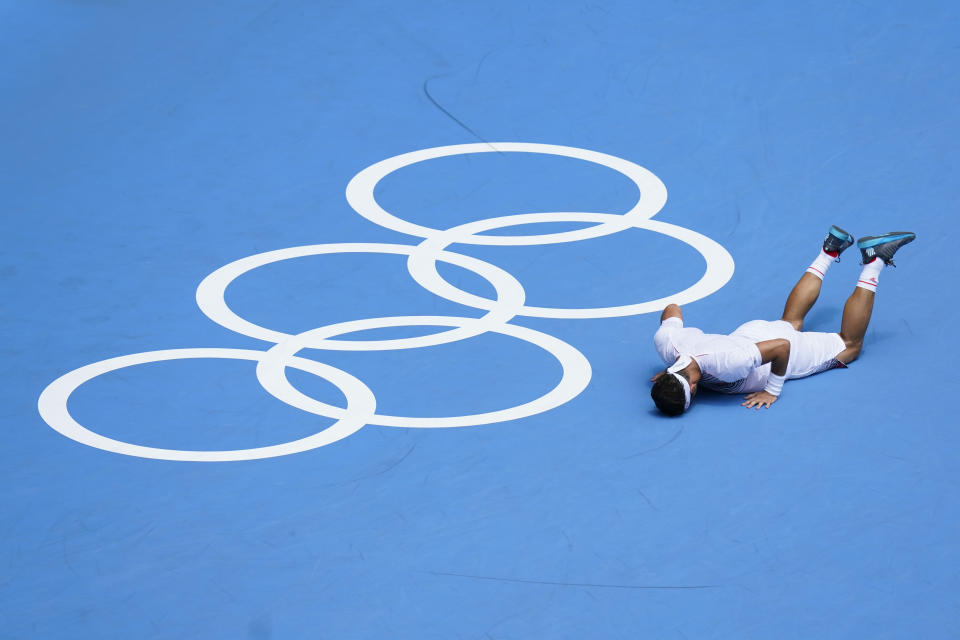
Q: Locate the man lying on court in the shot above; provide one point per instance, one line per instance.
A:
(758, 356)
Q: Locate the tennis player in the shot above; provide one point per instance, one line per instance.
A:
(760, 355)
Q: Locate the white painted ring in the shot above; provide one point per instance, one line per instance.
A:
(422, 266)
(653, 193)
(510, 301)
(576, 373)
(52, 404)
(210, 296)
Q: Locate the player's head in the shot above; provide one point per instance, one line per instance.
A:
(672, 390)
(668, 395)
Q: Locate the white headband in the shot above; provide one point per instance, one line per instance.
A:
(682, 363)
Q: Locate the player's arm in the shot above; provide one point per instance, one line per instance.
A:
(777, 353)
(672, 311)
(661, 339)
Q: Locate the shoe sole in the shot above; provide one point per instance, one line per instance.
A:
(840, 234)
(868, 242)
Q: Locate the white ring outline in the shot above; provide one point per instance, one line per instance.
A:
(576, 372)
(361, 403)
(53, 400)
(653, 193)
(211, 296)
(720, 266)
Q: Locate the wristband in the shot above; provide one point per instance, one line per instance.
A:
(774, 384)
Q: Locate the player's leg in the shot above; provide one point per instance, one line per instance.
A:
(853, 326)
(807, 290)
(877, 252)
(801, 299)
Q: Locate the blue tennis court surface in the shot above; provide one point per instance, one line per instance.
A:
(335, 321)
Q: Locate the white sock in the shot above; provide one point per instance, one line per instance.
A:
(868, 277)
(821, 264)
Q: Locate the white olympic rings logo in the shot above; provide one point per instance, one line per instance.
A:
(422, 260)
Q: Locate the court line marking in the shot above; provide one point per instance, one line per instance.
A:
(360, 409)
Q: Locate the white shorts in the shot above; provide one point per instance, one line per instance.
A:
(810, 351)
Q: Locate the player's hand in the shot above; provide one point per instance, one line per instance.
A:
(658, 376)
(759, 399)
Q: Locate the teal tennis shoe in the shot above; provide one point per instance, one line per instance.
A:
(884, 246)
(836, 241)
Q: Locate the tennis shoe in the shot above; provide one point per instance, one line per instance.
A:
(884, 246)
(836, 241)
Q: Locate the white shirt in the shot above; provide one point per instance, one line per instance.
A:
(730, 364)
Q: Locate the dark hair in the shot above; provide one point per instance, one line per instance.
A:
(668, 395)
